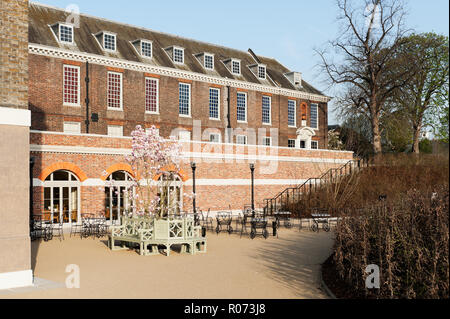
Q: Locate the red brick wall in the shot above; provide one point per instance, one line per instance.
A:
(215, 196)
(48, 112)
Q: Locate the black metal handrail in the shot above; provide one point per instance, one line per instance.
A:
(335, 173)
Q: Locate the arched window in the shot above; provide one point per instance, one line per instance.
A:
(170, 193)
(116, 201)
(62, 197)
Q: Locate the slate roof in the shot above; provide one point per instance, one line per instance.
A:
(41, 17)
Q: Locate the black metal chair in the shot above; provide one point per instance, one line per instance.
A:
(58, 228)
(224, 219)
(207, 221)
(259, 222)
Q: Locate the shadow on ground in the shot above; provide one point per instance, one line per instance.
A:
(295, 261)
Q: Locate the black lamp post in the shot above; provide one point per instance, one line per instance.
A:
(194, 166)
(252, 169)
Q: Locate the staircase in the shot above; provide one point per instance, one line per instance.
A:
(291, 198)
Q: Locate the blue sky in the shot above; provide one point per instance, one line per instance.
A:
(287, 30)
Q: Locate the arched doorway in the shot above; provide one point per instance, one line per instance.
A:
(170, 192)
(62, 197)
(116, 201)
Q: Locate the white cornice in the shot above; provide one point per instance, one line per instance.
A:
(39, 49)
(186, 156)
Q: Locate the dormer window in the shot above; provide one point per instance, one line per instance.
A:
(144, 48)
(178, 55)
(235, 67)
(295, 78)
(63, 32)
(261, 72)
(208, 61)
(107, 40)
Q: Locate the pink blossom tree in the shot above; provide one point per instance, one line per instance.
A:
(151, 157)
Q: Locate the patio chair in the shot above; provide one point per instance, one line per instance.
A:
(58, 228)
(208, 221)
(75, 228)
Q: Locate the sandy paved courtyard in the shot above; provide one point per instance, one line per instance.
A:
(283, 268)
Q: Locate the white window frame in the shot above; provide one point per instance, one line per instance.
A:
(317, 106)
(115, 126)
(270, 109)
(157, 95)
(265, 72)
(246, 107)
(151, 49)
(204, 61)
(315, 142)
(245, 139)
(173, 55)
(231, 66)
(121, 91)
(295, 113)
(218, 104)
(78, 124)
(59, 33)
(79, 85)
(219, 137)
(295, 142)
(264, 139)
(115, 41)
(190, 99)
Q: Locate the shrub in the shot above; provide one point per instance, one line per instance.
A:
(408, 241)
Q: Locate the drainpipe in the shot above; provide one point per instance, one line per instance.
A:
(229, 115)
(87, 97)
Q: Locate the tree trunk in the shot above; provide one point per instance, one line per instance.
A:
(376, 135)
(416, 139)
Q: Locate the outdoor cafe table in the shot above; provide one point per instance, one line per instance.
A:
(93, 226)
(286, 216)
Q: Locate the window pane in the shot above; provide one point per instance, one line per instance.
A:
(241, 139)
(314, 145)
(214, 138)
(241, 107)
(61, 176)
(146, 48)
(266, 109)
(291, 143)
(71, 85)
(261, 72)
(291, 113)
(209, 62)
(110, 42)
(184, 93)
(151, 95)
(65, 34)
(214, 103)
(178, 55)
(314, 114)
(114, 90)
(236, 67)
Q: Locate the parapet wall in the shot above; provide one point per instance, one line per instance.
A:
(223, 178)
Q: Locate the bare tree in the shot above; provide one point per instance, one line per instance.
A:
(366, 49)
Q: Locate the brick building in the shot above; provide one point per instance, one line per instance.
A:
(92, 81)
